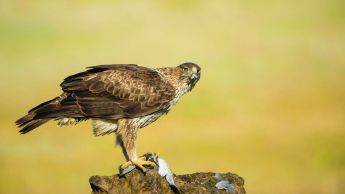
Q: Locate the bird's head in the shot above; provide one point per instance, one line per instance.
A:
(190, 74)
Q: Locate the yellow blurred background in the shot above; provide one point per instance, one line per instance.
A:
(270, 105)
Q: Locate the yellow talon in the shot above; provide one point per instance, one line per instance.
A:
(125, 165)
(140, 163)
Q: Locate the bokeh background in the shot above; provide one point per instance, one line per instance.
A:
(270, 105)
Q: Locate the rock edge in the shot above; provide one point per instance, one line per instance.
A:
(152, 182)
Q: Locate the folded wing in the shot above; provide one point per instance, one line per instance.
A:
(118, 91)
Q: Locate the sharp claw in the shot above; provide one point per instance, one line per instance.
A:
(138, 166)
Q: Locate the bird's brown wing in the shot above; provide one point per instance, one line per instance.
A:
(117, 91)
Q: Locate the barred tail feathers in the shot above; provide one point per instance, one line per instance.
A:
(44, 112)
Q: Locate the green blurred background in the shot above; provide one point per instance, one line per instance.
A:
(270, 105)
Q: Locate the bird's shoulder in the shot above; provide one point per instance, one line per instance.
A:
(117, 76)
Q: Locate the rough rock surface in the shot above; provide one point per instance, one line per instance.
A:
(152, 182)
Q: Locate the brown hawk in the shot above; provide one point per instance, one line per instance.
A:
(118, 98)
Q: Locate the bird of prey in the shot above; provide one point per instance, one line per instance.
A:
(118, 98)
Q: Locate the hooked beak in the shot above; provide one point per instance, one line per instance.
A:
(194, 79)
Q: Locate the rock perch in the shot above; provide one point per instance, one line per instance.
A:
(152, 182)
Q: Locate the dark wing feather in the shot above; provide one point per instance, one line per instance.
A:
(118, 91)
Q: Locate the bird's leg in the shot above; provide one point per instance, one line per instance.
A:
(129, 150)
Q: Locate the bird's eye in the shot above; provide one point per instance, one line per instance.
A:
(185, 69)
